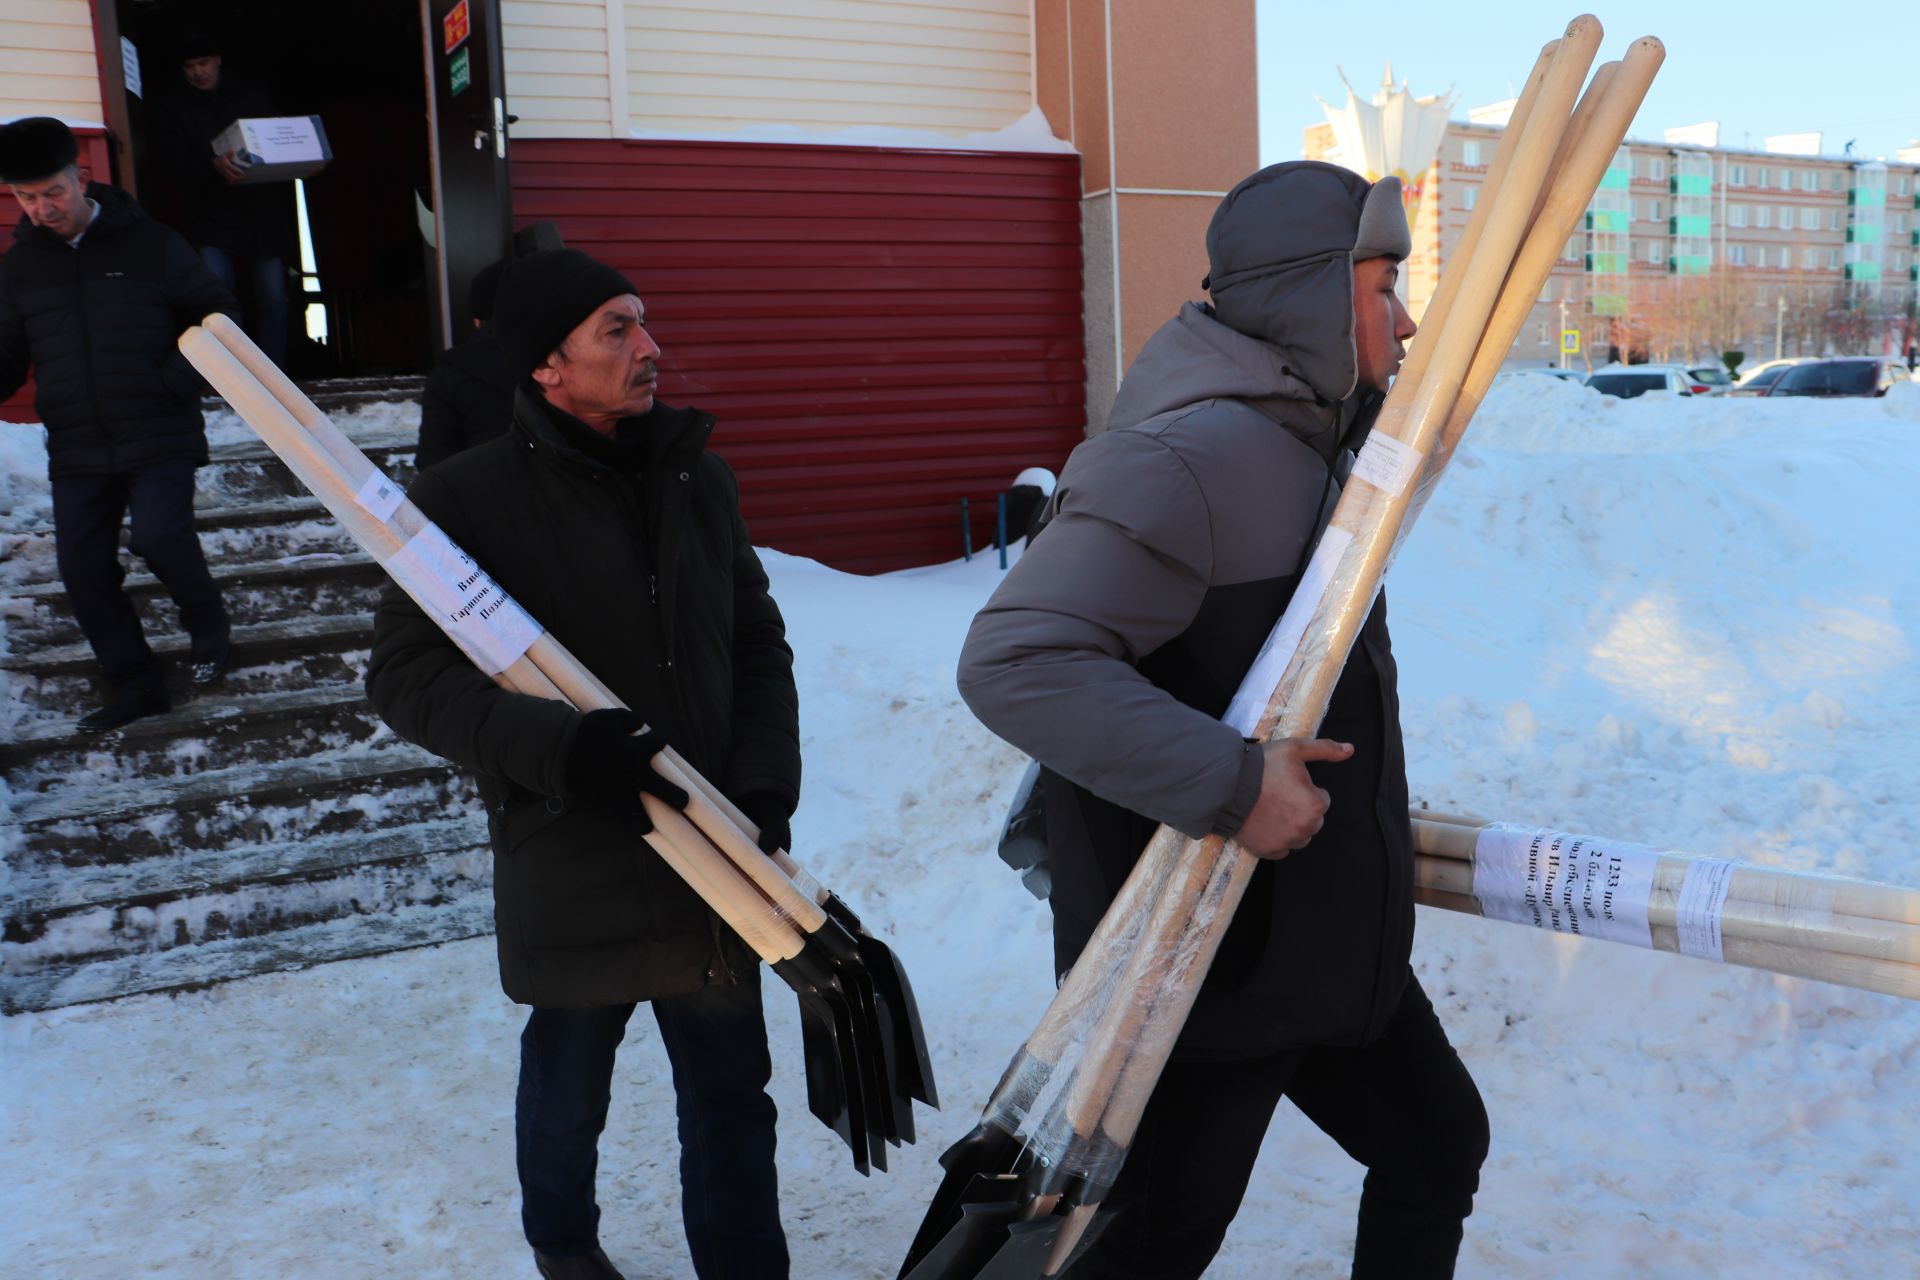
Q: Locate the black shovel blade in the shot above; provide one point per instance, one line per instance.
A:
(893, 1109)
(913, 1069)
(836, 1086)
(988, 1165)
(1005, 1240)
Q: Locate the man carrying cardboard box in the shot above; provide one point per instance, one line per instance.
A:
(230, 222)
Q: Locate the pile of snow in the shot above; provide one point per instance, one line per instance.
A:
(1687, 622)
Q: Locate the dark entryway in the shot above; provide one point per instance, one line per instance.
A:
(364, 301)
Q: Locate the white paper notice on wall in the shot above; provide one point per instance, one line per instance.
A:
(1387, 464)
(1565, 883)
(1696, 915)
(130, 64)
(469, 606)
(379, 495)
(1256, 689)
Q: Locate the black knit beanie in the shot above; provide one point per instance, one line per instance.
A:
(34, 148)
(543, 297)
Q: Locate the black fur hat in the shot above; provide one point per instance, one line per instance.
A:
(34, 148)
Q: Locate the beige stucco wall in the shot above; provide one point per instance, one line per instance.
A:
(1163, 136)
(47, 63)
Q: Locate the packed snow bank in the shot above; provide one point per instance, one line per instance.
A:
(1689, 623)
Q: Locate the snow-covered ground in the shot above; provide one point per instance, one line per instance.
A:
(1686, 622)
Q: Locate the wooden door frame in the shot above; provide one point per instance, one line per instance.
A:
(111, 67)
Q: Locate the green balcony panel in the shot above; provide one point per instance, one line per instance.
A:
(1867, 197)
(1690, 224)
(1863, 271)
(1616, 180)
(1608, 220)
(1864, 233)
(1609, 304)
(1690, 264)
(1690, 184)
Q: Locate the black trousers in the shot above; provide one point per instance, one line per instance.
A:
(1403, 1106)
(716, 1041)
(87, 513)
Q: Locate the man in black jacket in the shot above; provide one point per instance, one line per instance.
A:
(233, 223)
(469, 394)
(602, 514)
(1112, 652)
(92, 297)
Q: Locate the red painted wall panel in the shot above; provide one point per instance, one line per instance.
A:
(880, 333)
(93, 153)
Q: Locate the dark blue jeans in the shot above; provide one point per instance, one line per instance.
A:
(267, 322)
(1403, 1106)
(87, 514)
(716, 1041)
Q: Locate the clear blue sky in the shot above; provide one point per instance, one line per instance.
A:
(1759, 68)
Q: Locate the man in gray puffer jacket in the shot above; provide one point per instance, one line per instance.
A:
(1110, 653)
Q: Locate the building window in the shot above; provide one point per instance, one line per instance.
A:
(1659, 210)
(1470, 154)
(1653, 251)
(1809, 258)
(1833, 219)
(1809, 219)
(1833, 180)
(1736, 215)
(1833, 259)
(1899, 224)
(1572, 252)
(1469, 196)
(1737, 255)
(1900, 186)
(1760, 177)
(1786, 257)
(1739, 178)
(1786, 217)
(1763, 215)
(1657, 168)
(1809, 179)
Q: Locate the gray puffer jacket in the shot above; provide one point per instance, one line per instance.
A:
(1111, 650)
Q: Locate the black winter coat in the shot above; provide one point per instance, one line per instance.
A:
(650, 580)
(468, 400)
(248, 220)
(97, 325)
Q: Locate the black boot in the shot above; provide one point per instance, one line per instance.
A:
(126, 705)
(586, 1266)
(208, 668)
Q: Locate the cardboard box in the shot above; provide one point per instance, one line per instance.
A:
(276, 148)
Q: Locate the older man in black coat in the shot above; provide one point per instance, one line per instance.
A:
(92, 296)
(602, 514)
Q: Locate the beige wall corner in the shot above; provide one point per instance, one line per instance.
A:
(1161, 102)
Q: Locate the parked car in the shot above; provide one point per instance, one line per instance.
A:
(1849, 376)
(1628, 381)
(1759, 380)
(1718, 381)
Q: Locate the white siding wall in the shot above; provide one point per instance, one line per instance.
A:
(556, 52)
(46, 60)
(717, 66)
(956, 66)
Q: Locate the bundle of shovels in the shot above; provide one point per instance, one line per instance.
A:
(866, 1056)
(1852, 932)
(1023, 1188)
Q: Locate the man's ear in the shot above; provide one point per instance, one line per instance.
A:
(546, 375)
(86, 176)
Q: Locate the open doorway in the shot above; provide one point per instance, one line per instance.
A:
(361, 277)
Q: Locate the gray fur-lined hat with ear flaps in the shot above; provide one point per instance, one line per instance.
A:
(1280, 255)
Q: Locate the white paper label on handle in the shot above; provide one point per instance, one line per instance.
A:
(1263, 677)
(379, 495)
(1565, 883)
(1696, 915)
(469, 606)
(1387, 464)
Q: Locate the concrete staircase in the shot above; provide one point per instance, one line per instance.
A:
(269, 824)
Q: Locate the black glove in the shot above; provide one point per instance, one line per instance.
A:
(612, 765)
(771, 814)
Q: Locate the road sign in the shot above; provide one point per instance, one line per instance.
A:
(1570, 341)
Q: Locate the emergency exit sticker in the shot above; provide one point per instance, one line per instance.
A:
(455, 27)
(459, 72)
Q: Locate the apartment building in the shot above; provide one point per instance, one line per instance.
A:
(1814, 252)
